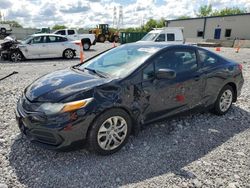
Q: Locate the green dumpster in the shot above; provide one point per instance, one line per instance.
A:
(127, 37)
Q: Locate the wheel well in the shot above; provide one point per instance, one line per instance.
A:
(85, 40)
(17, 50)
(233, 85)
(133, 121)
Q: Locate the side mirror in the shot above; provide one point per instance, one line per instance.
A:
(165, 74)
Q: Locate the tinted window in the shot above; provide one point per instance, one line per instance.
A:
(180, 60)
(148, 72)
(170, 37)
(61, 32)
(71, 32)
(207, 58)
(61, 39)
(161, 37)
(51, 39)
(37, 40)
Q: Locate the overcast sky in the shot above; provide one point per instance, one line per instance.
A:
(88, 13)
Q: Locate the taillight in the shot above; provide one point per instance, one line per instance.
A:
(240, 67)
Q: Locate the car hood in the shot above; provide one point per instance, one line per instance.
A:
(59, 85)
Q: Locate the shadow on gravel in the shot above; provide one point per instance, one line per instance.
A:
(161, 148)
(45, 60)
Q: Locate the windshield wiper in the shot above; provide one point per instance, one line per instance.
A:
(99, 73)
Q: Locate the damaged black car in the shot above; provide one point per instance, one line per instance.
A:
(104, 100)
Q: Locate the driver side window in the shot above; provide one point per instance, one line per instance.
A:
(161, 38)
(179, 60)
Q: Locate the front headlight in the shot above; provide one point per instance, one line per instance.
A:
(53, 108)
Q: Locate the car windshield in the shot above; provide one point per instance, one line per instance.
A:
(150, 37)
(26, 39)
(120, 61)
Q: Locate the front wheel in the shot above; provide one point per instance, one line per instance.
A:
(101, 38)
(109, 132)
(224, 100)
(116, 39)
(3, 30)
(16, 56)
(68, 54)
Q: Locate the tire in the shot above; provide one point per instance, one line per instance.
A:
(68, 54)
(86, 46)
(101, 38)
(116, 39)
(104, 132)
(3, 30)
(224, 101)
(16, 56)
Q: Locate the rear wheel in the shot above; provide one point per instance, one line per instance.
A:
(224, 100)
(16, 56)
(68, 54)
(86, 46)
(109, 132)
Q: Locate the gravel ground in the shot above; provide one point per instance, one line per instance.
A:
(199, 150)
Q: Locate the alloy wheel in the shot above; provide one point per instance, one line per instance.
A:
(16, 56)
(112, 133)
(69, 54)
(226, 100)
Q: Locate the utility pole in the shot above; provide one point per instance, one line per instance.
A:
(114, 18)
(120, 20)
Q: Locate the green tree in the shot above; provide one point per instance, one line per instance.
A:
(205, 10)
(150, 25)
(229, 11)
(57, 27)
(161, 23)
(12, 23)
(183, 17)
(147, 27)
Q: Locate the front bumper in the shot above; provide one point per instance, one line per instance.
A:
(94, 42)
(54, 132)
(4, 54)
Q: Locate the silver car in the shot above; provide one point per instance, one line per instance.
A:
(45, 46)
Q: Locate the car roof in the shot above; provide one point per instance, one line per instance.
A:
(158, 45)
(46, 34)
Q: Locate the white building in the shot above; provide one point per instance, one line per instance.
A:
(215, 27)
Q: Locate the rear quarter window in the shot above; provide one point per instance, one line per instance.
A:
(207, 58)
(61, 39)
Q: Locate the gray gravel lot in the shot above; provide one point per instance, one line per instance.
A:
(199, 150)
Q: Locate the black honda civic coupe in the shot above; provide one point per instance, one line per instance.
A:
(104, 100)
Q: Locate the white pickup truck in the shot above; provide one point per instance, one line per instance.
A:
(86, 39)
(5, 28)
(165, 35)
